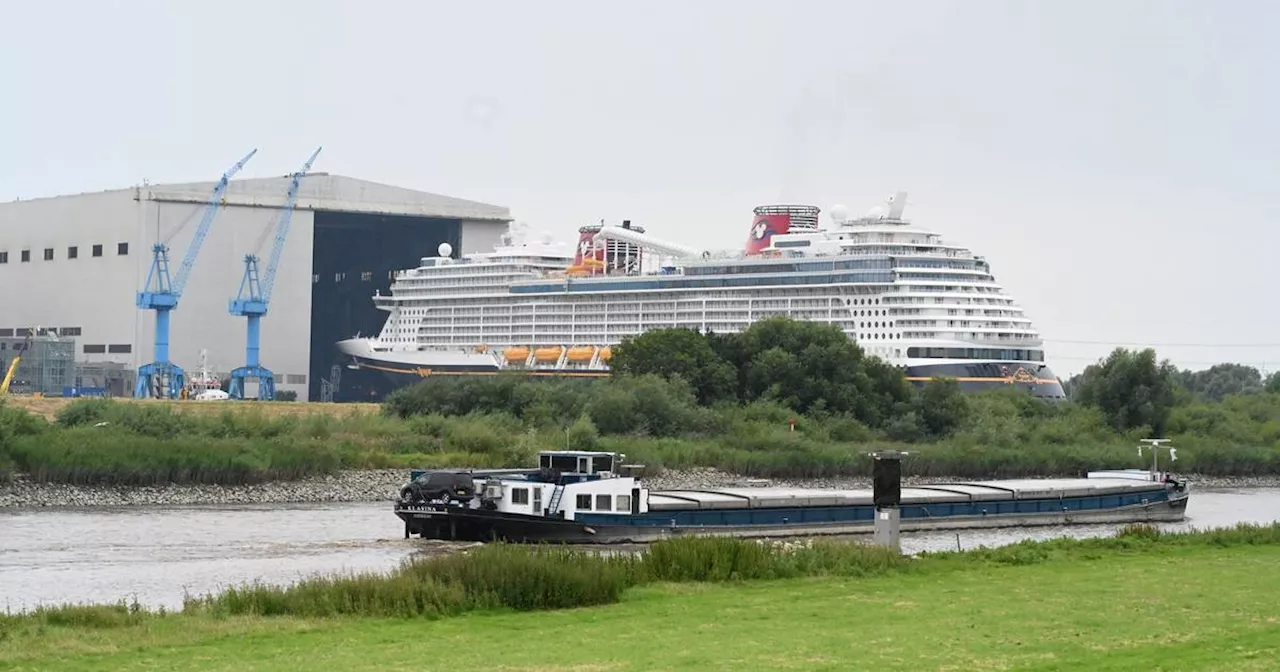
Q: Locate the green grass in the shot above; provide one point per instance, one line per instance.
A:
(1139, 602)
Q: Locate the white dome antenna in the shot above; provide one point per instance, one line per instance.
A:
(839, 214)
(445, 249)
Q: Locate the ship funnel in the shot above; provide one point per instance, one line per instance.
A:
(897, 203)
(587, 247)
(774, 220)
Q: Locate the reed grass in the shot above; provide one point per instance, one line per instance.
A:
(719, 559)
(490, 577)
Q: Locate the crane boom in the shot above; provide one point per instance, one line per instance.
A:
(254, 297)
(282, 230)
(162, 378)
(203, 230)
(165, 290)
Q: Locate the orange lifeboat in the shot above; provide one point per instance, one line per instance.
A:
(605, 353)
(582, 353)
(547, 354)
(587, 266)
(517, 354)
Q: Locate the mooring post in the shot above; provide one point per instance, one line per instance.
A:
(886, 483)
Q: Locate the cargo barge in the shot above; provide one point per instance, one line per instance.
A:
(588, 497)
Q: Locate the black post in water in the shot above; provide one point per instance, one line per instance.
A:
(886, 494)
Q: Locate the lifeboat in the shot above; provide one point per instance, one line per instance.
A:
(517, 354)
(588, 266)
(547, 354)
(582, 353)
(605, 353)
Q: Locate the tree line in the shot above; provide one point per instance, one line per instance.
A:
(784, 399)
(663, 378)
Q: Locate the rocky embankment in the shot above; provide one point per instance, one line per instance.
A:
(349, 486)
(384, 485)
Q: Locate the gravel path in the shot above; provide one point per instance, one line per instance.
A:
(385, 484)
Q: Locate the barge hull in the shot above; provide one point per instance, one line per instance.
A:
(464, 524)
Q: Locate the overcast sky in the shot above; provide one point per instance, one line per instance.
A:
(1116, 161)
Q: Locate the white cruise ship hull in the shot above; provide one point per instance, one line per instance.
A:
(407, 366)
(901, 292)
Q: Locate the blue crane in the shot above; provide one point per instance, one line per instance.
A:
(255, 295)
(163, 378)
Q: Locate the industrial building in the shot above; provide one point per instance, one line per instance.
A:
(72, 265)
(47, 366)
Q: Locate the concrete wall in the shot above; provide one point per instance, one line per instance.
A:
(92, 293)
(97, 294)
(201, 319)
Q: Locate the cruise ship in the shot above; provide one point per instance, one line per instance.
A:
(532, 305)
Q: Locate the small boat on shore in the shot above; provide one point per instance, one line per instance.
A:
(581, 497)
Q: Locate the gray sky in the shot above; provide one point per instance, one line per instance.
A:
(1115, 161)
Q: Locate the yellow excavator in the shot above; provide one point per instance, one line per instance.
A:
(13, 366)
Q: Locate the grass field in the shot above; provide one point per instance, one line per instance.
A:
(1158, 606)
(48, 407)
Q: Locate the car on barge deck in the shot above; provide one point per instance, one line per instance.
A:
(591, 497)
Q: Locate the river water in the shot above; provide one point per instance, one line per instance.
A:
(156, 554)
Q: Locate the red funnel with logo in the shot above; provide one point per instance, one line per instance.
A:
(587, 249)
(774, 220)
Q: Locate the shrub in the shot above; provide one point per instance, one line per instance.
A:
(494, 576)
(583, 435)
(15, 422)
(85, 412)
(13, 425)
(96, 616)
